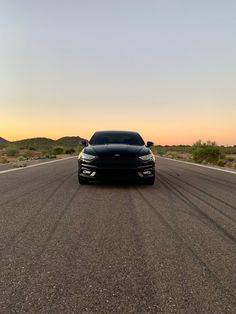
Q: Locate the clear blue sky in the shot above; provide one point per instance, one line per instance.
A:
(164, 68)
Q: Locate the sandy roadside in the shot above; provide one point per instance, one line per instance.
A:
(25, 163)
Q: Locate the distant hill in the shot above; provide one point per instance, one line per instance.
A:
(3, 141)
(70, 140)
(45, 142)
(36, 141)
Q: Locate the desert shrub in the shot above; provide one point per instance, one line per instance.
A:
(229, 164)
(70, 151)
(47, 153)
(171, 154)
(19, 164)
(229, 158)
(229, 149)
(222, 154)
(58, 150)
(158, 150)
(22, 158)
(180, 156)
(3, 160)
(221, 163)
(208, 152)
(50, 156)
(78, 149)
(12, 151)
(44, 153)
(27, 153)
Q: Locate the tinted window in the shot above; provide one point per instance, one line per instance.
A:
(101, 138)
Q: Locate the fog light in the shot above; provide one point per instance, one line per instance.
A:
(86, 171)
(147, 172)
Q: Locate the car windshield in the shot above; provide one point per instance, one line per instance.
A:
(128, 138)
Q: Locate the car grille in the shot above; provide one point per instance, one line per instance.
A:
(117, 162)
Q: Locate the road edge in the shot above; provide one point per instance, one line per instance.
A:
(36, 165)
(198, 165)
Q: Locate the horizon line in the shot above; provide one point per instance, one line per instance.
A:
(55, 139)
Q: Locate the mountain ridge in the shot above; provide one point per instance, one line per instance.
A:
(3, 141)
(66, 140)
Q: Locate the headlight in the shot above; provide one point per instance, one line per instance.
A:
(86, 156)
(147, 157)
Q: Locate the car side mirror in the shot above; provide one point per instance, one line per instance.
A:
(83, 142)
(149, 144)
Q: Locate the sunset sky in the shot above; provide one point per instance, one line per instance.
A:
(165, 68)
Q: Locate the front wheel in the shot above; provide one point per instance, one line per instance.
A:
(82, 180)
(150, 181)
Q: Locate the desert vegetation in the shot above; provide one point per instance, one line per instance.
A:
(21, 153)
(200, 152)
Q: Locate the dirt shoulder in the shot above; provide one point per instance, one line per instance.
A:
(15, 163)
(180, 158)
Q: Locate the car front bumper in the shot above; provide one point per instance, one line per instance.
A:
(116, 171)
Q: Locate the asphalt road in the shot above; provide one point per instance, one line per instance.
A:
(167, 248)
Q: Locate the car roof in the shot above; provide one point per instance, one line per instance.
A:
(116, 131)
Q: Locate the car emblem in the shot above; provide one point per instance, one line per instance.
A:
(117, 155)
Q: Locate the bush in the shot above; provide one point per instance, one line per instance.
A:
(12, 151)
(70, 151)
(221, 163)
(58, 150)
(78, 149)
(3, 160)
(27, 153)
(230, 158)
(49, 156)
(22, 158)
(19, 164)
(158, 151)
(207, 152)
(229, 164)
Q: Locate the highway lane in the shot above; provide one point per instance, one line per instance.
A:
(167, 248)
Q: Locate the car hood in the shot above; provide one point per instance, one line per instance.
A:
(113, 149)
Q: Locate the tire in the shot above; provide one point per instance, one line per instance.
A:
(82, 180)
(149, 181)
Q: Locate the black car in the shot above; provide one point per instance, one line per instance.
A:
(116, 155)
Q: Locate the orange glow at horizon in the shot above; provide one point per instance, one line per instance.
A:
(161, 132)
